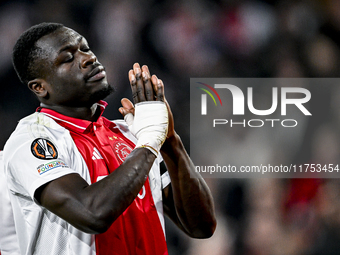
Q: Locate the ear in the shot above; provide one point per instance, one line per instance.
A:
(39, 87)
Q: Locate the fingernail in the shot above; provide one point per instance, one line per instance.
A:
(138, 73)
(145, 77)
(133, 78)
(137, 68)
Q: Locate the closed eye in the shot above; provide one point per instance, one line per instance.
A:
(69, 58)
(85, 49)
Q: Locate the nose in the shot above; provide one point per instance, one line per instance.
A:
(88, 59)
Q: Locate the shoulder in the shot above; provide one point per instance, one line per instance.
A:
(39, 151)
(36, 125)
(32, 128)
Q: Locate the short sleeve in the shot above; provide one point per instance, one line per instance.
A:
(33, 162)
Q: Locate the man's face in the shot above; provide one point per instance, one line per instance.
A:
(75, 78)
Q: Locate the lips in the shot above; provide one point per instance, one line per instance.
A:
(96, 74)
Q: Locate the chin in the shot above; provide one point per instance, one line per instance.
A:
(101, 94)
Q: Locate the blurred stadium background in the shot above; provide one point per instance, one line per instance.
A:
(219, 38)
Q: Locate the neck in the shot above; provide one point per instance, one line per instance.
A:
(86, 113)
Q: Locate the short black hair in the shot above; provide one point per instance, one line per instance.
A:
(25, 52)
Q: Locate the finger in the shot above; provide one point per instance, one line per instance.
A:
(149, 92)
(127, 107)
(158, 88)
(140, 84)
(127, 104)
(160, 91)
(148, 86)
(145, 69)
(133, 84)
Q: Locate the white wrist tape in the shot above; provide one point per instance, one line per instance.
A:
(149, 125)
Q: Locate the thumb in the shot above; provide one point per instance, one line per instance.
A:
(127, 107)
(123, 111)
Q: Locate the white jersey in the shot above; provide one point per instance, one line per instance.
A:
(39, 231)
(8, 239)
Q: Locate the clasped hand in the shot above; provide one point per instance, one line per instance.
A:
(148, 120)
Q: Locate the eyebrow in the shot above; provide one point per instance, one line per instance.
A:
(68, 46)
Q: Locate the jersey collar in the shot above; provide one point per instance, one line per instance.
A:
(78, 125)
